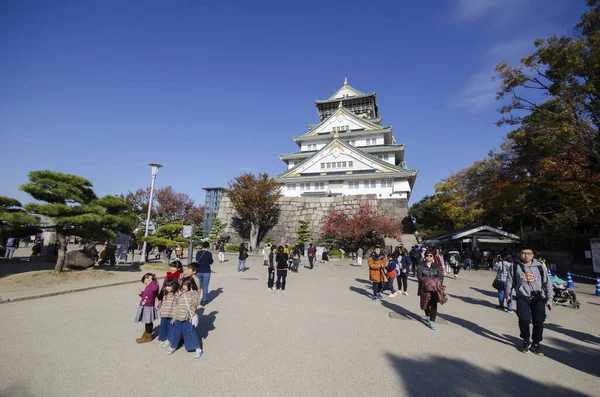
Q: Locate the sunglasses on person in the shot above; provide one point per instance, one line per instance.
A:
(429, 255)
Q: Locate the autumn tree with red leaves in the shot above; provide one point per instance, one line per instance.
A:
(365, 228)
(169, 206)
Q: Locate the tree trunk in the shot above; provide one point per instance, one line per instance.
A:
(60, 252)
(253, 236)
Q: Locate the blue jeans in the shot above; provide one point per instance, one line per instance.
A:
(204, 280)
(241, 265)
(391, 283)
(164, 329)
(186, 330)
(501, 300)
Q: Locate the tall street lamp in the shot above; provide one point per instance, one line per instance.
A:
(155, 167)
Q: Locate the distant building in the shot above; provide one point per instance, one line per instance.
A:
(348, 153)
(211, 206)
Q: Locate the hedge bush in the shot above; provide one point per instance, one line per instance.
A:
(233, 247)
(337, 253)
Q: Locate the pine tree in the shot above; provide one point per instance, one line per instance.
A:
(303, 232)
(14, 221)
(216, 230)
(75, 209)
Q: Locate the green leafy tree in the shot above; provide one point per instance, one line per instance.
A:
(168, 237)
(14, 220)
(216, 231)
(75, 209)
(304, 232)
(562, 68)
(254, 198)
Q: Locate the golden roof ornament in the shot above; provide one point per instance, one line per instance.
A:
(336, 134)
(340, 105)
(345, 80)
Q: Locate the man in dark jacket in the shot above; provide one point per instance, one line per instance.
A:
(312, 252)
(529, 278)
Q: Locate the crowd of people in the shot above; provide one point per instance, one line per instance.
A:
(519, 278)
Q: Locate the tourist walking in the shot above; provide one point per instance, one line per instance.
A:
(266, 252)
(271, 268)
(431, 277)
(325, 255)
(295, 259)
(221, 249)
(146, 312)
(167, 311)
(534, 293)
(439, 258)
(397, 253)
(312, 252)
(415, 259)
(504, 268)
(404, 268)
(243, 255)
(204, 259)
(183, 316)
(359, 256)
(377, 265)
(282, 268)
(11, 246)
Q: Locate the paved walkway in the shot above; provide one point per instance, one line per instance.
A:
(322, 337)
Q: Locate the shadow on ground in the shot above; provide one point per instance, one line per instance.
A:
(212, 295)
(474, 301)
(481, 331)
(581, 358)
(580, 336)
(401, 311)
(421, 378)
(361, 291)
(491, 294)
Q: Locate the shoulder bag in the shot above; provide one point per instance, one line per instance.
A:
(193, 317)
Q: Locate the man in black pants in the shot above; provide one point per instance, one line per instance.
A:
(529, 278)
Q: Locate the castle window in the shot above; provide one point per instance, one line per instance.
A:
(322, 165)
(350, 164)
(319, 185)
(291, 186)
(354, 184)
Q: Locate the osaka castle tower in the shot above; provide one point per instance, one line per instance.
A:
(348, 153)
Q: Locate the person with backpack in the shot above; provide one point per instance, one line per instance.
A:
(282, 267)
(295, 259)
(243, 255)
(391, 272)
(534, 294)
(504, 268)
(415, 259)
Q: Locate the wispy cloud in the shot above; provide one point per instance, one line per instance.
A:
(475, 10)
(479, 91)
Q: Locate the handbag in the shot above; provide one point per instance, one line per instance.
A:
(194, 317)
(498, 284)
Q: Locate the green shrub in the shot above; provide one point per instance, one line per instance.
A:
(337, 253)
(233, 247)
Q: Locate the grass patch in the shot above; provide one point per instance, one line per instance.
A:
(45, 277)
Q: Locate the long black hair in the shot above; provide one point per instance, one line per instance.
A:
(189, 283)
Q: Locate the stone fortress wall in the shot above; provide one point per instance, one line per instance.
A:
(315, 209)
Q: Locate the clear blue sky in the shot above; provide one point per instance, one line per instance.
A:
(213, 89)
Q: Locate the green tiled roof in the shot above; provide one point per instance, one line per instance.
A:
(349, 88)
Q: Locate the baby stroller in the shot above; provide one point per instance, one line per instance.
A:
(562, 294)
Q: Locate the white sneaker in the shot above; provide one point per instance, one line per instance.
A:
(404, 293)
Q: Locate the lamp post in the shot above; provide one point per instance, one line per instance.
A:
(155, 167)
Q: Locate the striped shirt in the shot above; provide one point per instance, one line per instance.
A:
(181, 311)
(167, 308)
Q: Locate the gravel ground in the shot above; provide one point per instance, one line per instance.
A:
(322, 337)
